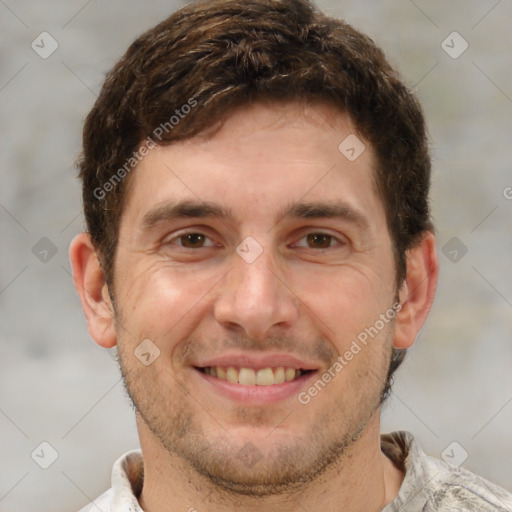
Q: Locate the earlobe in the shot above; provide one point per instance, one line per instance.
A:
(93, 291)
(417, 292)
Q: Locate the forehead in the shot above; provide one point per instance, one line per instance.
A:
(264, 158)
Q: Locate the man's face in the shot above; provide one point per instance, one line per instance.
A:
(263, 247)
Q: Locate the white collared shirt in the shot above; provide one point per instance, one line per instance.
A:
(430, 484)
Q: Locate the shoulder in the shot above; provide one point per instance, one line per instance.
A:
(460, 490)
(432, 485)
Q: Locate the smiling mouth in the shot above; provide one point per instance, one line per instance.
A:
(254, 377)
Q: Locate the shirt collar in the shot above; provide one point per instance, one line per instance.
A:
(400, 447)
(422, 473)
(127, 479)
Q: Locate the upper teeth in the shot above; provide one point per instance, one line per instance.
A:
(251, 377)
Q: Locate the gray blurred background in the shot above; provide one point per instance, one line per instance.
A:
(60, 388)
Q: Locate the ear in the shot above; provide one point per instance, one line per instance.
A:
(93, 291)
(417, 292)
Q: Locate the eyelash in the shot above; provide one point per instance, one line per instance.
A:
(182, 235)
(321, 233)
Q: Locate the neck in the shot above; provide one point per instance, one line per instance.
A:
(363, 480)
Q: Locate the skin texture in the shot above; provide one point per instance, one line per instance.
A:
(305, 296)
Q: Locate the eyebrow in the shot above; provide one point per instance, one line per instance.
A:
(201, 209)
(329, 210)
(184, 209)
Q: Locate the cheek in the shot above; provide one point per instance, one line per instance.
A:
(161, 301)
(346, 299)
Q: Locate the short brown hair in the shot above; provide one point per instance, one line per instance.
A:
(218, 55)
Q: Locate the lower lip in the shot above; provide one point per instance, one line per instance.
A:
(257, 394)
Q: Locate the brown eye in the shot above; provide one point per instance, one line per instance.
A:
(192, 240)
(319, 240)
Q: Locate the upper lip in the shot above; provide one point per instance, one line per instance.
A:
(257, 361)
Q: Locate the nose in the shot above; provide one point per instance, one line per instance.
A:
(255, 297)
